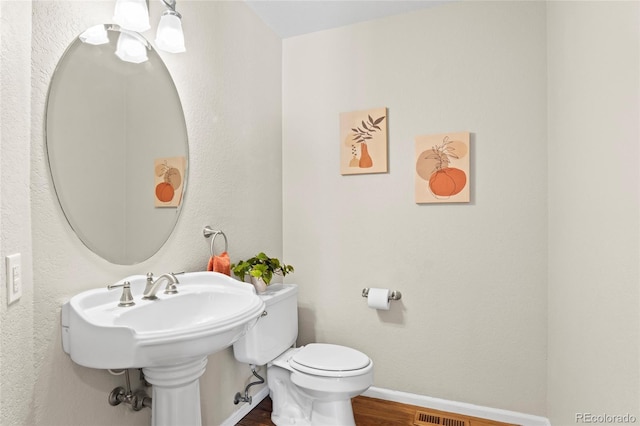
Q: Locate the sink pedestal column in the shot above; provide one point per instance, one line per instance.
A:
(176, 393)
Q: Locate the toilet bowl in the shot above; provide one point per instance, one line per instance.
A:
(310, 385)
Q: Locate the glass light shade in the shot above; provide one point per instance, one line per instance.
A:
(132, 15)
(95, 35)
(169, 36)
(130, 49)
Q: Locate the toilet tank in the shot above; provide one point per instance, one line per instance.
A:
(274, 332)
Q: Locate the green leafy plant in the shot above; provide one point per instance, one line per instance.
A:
(363, 133)
(261, 266)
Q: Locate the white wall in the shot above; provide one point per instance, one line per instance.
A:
(471, 325)
(229, 81)
(594, 214)
(16, 321)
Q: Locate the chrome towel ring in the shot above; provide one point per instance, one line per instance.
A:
(208, 232)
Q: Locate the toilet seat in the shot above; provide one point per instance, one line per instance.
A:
(327, 360)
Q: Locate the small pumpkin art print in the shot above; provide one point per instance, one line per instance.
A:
(363, 141)
(442, 168)
(168, 181)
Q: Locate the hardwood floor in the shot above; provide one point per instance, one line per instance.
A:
(259, 416)
(377, 412)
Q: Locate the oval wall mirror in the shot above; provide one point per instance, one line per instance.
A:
(116, 142)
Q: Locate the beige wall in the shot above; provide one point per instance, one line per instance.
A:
(229, 82)
(594, 215)
(471, 325)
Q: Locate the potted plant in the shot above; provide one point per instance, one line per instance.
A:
(261, 269)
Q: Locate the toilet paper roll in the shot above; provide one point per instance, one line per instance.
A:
(378, 298)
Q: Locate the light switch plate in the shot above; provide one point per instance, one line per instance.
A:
(14, 278)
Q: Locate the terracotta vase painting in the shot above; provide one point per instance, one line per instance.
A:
(168, 181)
(442, 168)
(363, 141)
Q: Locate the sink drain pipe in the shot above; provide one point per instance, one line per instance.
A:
(137, 400)
(247, 398)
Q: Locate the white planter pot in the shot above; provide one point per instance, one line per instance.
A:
(259, 284)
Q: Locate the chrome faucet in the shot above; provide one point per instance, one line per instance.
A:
(153, 285)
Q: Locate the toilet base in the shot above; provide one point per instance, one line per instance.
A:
(333, 413)
(289, 407)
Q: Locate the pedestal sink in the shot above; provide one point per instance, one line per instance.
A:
(169, 338)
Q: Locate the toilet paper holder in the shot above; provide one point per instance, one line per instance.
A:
(394, 295)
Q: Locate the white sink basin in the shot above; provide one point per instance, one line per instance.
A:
(210, 312)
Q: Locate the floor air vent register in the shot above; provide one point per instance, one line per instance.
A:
(425, 418)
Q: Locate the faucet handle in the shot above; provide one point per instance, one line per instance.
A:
(171, 286)
(127, 298)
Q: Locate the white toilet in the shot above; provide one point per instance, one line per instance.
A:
(309, 385)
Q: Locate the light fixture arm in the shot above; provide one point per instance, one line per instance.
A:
(137, 36)
(171, 4)
(171, 8)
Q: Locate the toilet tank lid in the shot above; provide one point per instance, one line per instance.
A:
(328, 357)
(277, 292)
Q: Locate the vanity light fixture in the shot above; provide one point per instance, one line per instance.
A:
(131, 47)
(95, 35)
(169, 36)
(132, 15)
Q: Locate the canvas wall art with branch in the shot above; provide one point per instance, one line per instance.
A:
(363, 141)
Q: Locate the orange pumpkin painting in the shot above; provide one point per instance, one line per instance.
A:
(447, 182)
(169, 174)
(164, 192)
(442, 168)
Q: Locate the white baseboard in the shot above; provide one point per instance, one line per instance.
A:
(420, 401)
(245, 408)
(457, 407)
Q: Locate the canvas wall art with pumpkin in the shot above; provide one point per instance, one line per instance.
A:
(168, 181)
(442, 168)
(363, 141)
